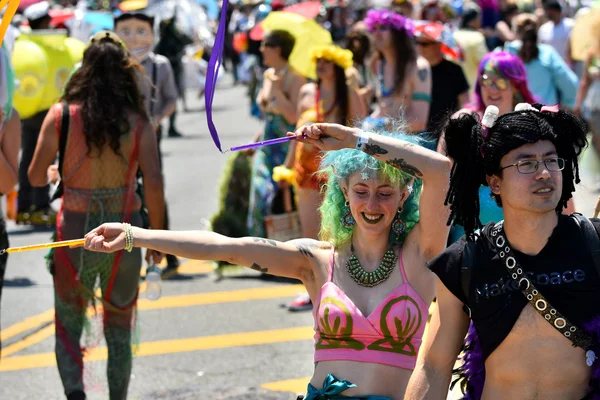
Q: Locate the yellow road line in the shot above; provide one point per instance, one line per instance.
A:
(188, 300)
(189, 267)
(172, 346)
(27, 324)
(30, 340)
(198, 299)
(291, 385)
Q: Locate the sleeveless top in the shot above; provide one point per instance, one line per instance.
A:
(390, 335)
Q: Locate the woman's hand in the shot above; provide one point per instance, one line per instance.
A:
(153, 256)
(327, 136)
(107, 238)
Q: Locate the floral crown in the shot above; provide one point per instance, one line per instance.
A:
(389, 18)
(337, 55)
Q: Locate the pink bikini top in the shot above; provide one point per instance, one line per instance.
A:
(390, 335)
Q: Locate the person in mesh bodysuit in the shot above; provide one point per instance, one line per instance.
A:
(109, 136)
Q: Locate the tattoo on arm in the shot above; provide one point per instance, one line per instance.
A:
(404, 166)
(305, 249)
(374, 150)
(423, 74)
(262, 240)
(258, 268)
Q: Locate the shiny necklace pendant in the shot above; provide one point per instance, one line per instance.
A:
(373, 278)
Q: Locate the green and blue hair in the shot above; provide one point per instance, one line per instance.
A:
(338, 166)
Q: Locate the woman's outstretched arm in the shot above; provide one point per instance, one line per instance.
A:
(293, 259)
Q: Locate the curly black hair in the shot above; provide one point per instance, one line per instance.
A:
(475, 158)
(106, 86)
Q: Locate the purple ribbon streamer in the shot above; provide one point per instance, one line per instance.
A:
(212, 73)
(263, 143)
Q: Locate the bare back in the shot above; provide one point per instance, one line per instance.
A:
(107, 170)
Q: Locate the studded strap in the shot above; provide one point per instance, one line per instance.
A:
(566, 328)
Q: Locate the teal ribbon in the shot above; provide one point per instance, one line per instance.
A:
(421, 97)
(332, 387)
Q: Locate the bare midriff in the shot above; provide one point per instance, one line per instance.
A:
(536, 362)
(369, 378)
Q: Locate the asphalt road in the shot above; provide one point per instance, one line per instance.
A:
(206, 338)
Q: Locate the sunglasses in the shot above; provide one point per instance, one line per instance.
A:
(499, 83)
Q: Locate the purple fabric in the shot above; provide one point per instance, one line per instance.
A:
(471, 374)
(593, 329)
(212, 73)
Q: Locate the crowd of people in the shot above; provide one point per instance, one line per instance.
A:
(435, 153)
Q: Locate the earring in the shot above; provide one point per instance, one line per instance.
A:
(398, 226)
(348, 220)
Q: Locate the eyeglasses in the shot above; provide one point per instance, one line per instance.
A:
(499, 83)
(554, 164)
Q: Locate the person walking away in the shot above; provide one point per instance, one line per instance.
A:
(106, 135)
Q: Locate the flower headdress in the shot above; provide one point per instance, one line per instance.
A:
(389, 18)
(335, 54)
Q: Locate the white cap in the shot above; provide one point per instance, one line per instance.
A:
(37, 10)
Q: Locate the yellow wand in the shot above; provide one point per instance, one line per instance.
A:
(11, 10)
(64, 243)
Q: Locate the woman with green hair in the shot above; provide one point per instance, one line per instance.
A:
(383, 218)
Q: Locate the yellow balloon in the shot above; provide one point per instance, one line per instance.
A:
(30, 64)
(43, 63)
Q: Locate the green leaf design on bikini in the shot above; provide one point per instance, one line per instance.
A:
(336, 334)
(402, 344)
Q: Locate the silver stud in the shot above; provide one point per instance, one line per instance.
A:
(511, 262)
(568, 334)
(547, 316)
(553, 311)
(560, 323)
(519, 271)
(529, 297)
(573, 329)
(502, 254)
(534, 292)
(541, 305)
(526, 281)
(515, 276)
(500, 241)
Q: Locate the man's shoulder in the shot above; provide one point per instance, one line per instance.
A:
(159, 59)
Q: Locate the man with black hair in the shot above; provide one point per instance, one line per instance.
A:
(557, 31)
(471, 41)
(529, 285)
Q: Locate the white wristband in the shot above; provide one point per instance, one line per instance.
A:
(362, 140)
